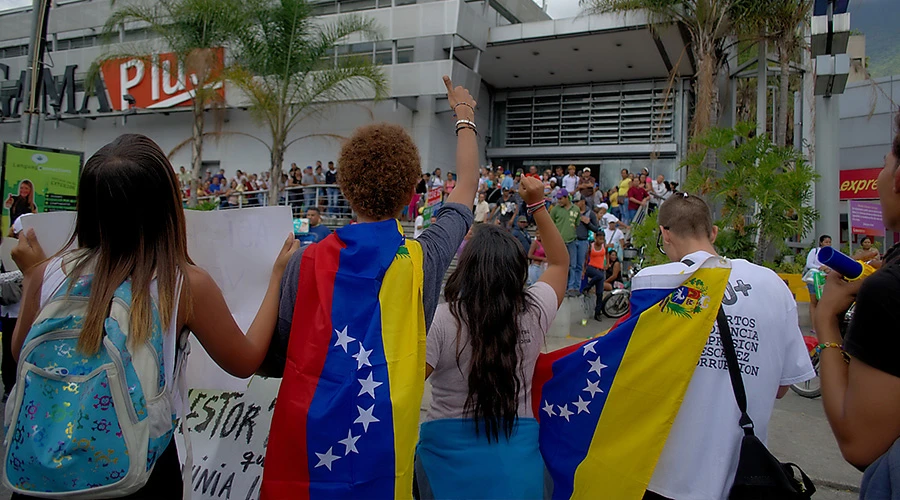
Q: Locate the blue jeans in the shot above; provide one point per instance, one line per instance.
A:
(577, 253)
(627, 214)
(333, 200)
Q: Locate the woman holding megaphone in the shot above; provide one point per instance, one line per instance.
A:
(860, 374)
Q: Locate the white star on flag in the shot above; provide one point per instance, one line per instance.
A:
(596, 366)
(343, 339)
(582, 405)
(592, 387)
(350, 443)
(368, 385)
(549, 409)
(564, 411)
(362, 357)
(589, 348)
(326, 458)
(365, 417)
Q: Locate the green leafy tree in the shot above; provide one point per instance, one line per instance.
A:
(764, 190)
(191, 29)
(286, 66)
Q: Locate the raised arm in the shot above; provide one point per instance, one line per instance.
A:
(463, 106)
(532, 191)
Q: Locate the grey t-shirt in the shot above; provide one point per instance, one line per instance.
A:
(439, 244)
(450, 381)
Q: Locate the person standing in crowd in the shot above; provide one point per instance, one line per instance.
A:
(587, 187)
(533, 173)
(604, 218)
(861, 394)
(320, 176)
(537, 259)
(777, 358)
(508, 182)
(419, 224)
(482, 209)
(586, 226)
(554, 188)
(148, 248)
(559, 173)
(614, 207)
(308, 180)
(450, 184)
(624, 206)
(333, 192)
(812, 263)
(570, 181)
(595, 271)
(436, 181)
(506, 210)
(520, 232)
(317, 230)
(480, 438)
(866, 252)
(385, 152)
(660, 192)
(637, 198)
(613, 235)
(565, 216)
(184, 178)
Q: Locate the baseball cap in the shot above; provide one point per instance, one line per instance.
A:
(586, 169)
(506, 172)
(562, 194)
(553, 179)
(603, 205)
(522, 218)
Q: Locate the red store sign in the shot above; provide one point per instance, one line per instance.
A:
(860, 184)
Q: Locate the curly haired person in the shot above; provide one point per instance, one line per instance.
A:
(354, 311)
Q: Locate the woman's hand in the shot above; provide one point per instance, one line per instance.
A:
(290, 246)
(531, 190)
(837, 297)
(461, 101)
(28, 252)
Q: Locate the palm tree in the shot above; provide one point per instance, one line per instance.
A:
(779, 21)
(709, 24)
(194, 31)
(286, 66)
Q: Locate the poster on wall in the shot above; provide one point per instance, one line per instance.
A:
(38, 180)
(865, 218)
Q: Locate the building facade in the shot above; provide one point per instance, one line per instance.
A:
(599, 91)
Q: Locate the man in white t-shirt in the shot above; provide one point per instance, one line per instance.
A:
(614, 235)
(570, 181)
(420, 225)
(700, 458)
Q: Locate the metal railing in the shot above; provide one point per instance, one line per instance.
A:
(326, 197)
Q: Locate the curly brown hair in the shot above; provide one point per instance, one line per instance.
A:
(380, 167)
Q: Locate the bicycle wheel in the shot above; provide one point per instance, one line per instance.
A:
(616, 305)
(811, 388)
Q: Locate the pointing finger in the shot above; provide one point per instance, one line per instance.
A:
(448, 84)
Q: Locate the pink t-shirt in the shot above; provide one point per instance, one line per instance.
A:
(450, 383)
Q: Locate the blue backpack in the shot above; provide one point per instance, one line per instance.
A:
(87, 426)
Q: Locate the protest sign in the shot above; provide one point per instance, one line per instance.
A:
(238, 249)
(37, 180)
(229, 433)
(433, 203)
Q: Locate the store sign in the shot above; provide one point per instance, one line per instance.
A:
(155, 83)
(865, 218)
(149, 81)
(859, 184)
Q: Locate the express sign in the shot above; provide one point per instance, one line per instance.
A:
(152, 83)
(859, 184)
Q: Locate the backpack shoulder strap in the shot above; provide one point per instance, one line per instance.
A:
(734, 371)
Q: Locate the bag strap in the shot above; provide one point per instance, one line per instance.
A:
(734, 371)
(183, 349)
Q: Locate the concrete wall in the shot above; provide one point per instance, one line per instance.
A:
(866, 128)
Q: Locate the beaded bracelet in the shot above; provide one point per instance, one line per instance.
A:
(463, 104)
(532, 211)
(826, 345)
(536, 204)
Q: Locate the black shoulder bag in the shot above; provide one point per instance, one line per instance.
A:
(759, 473)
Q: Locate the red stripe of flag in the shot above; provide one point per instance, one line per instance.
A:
(286, 474)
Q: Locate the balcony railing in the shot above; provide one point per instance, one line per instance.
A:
(325, 197)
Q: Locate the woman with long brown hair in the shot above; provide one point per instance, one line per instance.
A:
(480, 438)
(130, 231)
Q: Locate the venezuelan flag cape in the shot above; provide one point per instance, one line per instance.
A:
(606, 405)
(347, 414)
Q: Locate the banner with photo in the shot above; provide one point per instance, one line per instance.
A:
(38, 180)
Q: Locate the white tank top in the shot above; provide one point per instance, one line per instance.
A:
(54, 277)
